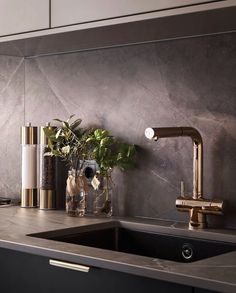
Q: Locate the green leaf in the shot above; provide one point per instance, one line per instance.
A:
(119, 156)
(58, 133)
(100, 134)
(50, 145)
(90, 139)
(58, 120)
(65, 125)
(131, 151)
(48, 131)
(75, 124)
(48, 154)
(105, 141)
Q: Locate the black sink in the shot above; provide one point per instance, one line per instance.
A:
(145, 243)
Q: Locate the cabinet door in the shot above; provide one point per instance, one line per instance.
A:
(23, 272)
(67, 12)
(17, 16)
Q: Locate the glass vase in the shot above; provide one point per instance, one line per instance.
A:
(103, 197)
(76, 194)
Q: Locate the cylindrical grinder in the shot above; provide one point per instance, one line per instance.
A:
(29, 166)
(47, 172)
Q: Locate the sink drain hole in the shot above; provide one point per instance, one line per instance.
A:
(187, 251)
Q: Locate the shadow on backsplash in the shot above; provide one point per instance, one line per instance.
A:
(223, 163)
(187, 82)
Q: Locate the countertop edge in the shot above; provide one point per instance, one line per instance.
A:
(141, 271)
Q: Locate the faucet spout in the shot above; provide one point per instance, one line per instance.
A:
(164, 132)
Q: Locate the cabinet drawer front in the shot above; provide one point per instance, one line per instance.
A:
(17, 16)
(67, 12)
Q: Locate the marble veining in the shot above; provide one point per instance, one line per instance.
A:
(12, 115)
(187, 82)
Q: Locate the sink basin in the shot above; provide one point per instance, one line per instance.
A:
(137, 240)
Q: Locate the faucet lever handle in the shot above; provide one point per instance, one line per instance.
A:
(182, 190)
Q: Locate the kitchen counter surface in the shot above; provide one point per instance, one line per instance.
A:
(217, 273)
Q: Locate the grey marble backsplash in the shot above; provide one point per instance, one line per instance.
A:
(189, 82)
(11, 117)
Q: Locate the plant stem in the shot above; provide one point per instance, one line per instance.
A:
(107, 187)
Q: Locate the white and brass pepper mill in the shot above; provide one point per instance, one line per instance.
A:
(29, 166)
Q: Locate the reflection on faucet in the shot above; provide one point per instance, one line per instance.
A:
(196, 205)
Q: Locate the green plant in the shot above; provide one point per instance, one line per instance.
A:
(75, 144)
(109, 152)
(69, 142)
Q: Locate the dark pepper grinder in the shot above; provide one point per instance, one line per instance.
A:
(47, 193)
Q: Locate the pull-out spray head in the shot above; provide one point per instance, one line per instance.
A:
(164, 132)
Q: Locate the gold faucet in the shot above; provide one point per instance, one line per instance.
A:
(197, 206)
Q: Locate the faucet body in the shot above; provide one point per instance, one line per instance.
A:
(197, 206)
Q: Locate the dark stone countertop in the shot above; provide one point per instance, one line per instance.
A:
(216, 273)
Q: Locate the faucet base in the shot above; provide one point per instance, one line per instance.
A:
(198, 210)
(197, 220)
(196, 226)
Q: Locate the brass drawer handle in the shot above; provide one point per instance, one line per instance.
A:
(70, 266)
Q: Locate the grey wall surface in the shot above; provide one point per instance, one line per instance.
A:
(189, 82)
(11, 117)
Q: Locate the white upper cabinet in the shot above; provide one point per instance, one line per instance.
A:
(68, 12)
(17, 16)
